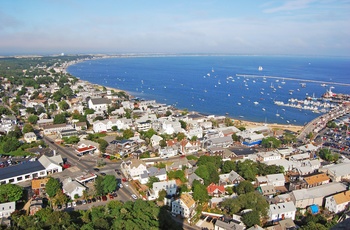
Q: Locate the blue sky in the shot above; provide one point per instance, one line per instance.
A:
(275, 27)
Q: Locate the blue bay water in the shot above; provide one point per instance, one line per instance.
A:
(209, 84)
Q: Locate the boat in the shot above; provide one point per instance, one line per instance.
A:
(238, 103)
(260, 68)
(271, 86)
(256, 103)
(323, 85)
(303, 85)
(263, 109)
(277, 114)
(283, 82)
(212, 70)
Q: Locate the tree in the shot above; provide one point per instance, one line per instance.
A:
(109, 184)
(183, 124)
(99, 185)
(270, 142)
(180, 136)
(200, 192)
(251, 218)
(10, 192)
(244, 187)
(32, 119)
(103, 145)
(128, 133)
(60, 197)
(52, 187)
(60, 119)
(10, 144)
(228, 166)
(235, 137)
(53, 107)
(232, 206)
(63, 105)
(27, 128)
(151, 180)
(161, 195)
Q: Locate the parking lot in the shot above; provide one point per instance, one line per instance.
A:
(338, 140)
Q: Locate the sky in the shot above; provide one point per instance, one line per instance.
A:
(246, 27)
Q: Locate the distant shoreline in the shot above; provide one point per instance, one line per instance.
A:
(248, 124)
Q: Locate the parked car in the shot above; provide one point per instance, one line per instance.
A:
(59, 206)
(120, 185)
(111, 196)
(134, 196)
(79, 202)
(88, 201)
(84, 201)
(93, 199)
(69, 205)
(74, 203)
(96, 169)
(104, 198)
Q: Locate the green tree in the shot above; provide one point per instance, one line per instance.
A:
(99, 186)
(53, 107)
(103, 145)
(32, 119)
(183, 124)
(270, 142)
(10, 144)
(228, 166)
(244, 187)
(128, 133)
(10, 192)
(109, 184)
(63, 105)
(231, 206)
(149, 133)
(60, 119)
(251, 218)
(152, 180)
(235, 137)
(161, 195)
(52, 187)
(180, 136)
(27, 128)
(200, 192)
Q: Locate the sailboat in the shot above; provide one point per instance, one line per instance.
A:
(277, 114)
(260, 68)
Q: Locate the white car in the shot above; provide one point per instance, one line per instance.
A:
(121, 185)
(69, 205)
(74, 203)
(134, 196)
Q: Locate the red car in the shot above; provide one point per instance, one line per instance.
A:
(111, 196)
(104, 198)
(124, 180)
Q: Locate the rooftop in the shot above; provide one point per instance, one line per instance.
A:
(20, 169)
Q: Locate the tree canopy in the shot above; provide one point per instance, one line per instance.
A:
(52, 187)
(10, 192)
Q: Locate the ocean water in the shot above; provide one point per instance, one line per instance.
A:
(216, 85)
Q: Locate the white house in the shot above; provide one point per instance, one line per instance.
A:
(99, 104)
(268, 156)
(7, 208)
(134, 168)
(29, 137)
(168, 152)
(338, 202)
(51, 164)
(155, 139)
(153, 172)
(282, 211)
(337, 172)
(183, 206)
(195, 132)
(171, 127)
(169, 186)
(272, 179)
(72, 188)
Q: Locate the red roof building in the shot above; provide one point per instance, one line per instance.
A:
(215, 190)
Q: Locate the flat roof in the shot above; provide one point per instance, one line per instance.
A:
(20, 169)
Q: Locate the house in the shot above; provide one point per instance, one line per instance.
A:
(30, 170)
(338, 202)
(316, 180)
(72, 188)
(168, 152)
(38, 185)
(99, 104)
(44, 122)
(275, 180)
(192, 177)
(315, 195)
(267, 190)
(228, 225)
(224, 142)
(215, 190)
(155, 139)
(35, 205)
(134, 168)
(122, 147)
(29, 137)
(184, 206)
(178, 164)
(83, 149)
(337, 172)
(268, 156)
(282, 211)
(169, 186)
(153, 172)
(189, 147)
(230, 178)
(56, 128)
(67, 133)
(51, 164)
(7, 208)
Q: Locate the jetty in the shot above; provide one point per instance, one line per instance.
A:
(292, 79)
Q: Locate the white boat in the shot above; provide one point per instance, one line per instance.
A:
(323, 85)
(283, 82)
(260, 68)
(238, 103)
(277, 114)
(263, 109)
(256, 103)
(303, 85)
